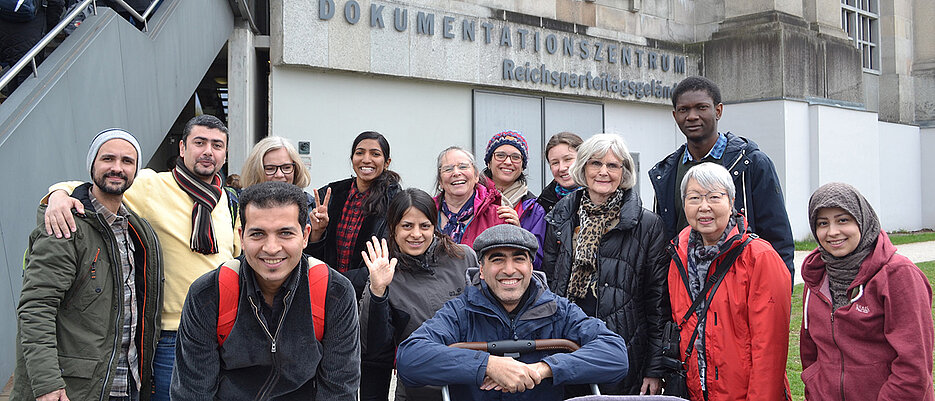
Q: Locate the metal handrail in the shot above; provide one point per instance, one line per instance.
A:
(30, 57)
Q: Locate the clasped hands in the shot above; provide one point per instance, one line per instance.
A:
(511, 376)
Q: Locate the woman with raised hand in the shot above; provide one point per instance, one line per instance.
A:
(356, 209)
(506, 158)
(729, 292)
(605, 252)
(468, 203)
(560, 152)
(867, 329)
(412, 274)
(275, 159)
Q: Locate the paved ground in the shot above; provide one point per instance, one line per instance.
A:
(916, 252)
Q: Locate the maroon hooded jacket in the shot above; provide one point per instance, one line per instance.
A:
(878, 347)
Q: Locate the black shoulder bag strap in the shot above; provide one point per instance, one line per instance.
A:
(711, 285)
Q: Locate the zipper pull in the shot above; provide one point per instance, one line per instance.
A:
(94, 264)
(273, 350)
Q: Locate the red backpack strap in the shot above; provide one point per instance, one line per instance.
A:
(228, 298)
(317, 290)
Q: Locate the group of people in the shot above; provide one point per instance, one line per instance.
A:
(175, 287)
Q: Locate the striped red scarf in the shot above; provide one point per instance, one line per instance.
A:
(206, 197)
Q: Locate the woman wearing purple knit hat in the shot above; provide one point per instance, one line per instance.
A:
(506, 159)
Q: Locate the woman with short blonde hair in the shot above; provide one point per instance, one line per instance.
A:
(256, 169)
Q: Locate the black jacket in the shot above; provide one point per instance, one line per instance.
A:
(251, 365)
(548, 198)
(632, 296)
(759, 196)
(326, 248)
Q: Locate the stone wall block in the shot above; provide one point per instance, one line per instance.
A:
(619, 20)
(775, 55)
(301, 27)
(924, 84)
(579, 12)
(389, 49)
(349, 49)
(842, 71)
(747, 66)
(663, 28)
(803, 64)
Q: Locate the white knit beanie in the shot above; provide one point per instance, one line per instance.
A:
(108, 134)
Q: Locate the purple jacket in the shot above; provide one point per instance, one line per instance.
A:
(532, 218)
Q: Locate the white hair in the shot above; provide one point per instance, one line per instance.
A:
(597, 147)
(711, 177)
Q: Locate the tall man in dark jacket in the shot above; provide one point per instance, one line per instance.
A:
(509, 302)
(271, 351)
(89, 306)
(697, 103)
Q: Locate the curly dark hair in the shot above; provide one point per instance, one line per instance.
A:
(697, 83)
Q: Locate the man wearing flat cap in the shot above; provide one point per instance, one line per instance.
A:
(88, 312)
(509, 301)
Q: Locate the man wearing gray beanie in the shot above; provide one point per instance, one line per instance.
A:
(509, 301)
(92, 295)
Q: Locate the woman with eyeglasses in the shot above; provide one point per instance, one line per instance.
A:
(606, 253)
(506, 158)
(468, 203)
(737, 335)
(275, 159)
(867, 329)
(413, 272)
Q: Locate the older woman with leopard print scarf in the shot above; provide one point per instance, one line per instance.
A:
(606, 253)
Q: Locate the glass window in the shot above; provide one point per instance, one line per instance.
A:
(861, 20)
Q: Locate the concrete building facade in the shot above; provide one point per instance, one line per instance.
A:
(832, 90)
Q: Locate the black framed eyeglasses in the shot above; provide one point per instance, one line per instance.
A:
(270, 169)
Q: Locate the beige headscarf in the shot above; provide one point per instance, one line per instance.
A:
(843, 270)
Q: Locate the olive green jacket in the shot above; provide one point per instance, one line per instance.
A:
(70, 312)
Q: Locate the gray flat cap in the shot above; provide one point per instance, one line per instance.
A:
(505, 235)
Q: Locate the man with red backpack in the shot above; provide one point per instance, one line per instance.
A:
(273, 323)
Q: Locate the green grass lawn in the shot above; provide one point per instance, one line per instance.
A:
(898, 238)
(794, 364)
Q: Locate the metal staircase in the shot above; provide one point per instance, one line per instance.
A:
(106, 74)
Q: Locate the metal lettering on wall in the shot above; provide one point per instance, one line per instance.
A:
(444, 45)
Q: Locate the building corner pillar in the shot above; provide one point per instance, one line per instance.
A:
(241, 101)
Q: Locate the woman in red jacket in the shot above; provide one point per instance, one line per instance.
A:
(738, 340)
(867, 329)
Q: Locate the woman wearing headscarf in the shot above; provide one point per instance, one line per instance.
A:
(867, 331)
(606, 253)
(737, 337)
(560, 152)
(467, 202)
(506, 158)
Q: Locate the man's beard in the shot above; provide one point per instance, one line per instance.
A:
(101, 182)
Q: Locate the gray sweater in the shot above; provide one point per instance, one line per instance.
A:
(420, 287)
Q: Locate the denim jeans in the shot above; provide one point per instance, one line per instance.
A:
(163, 364)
